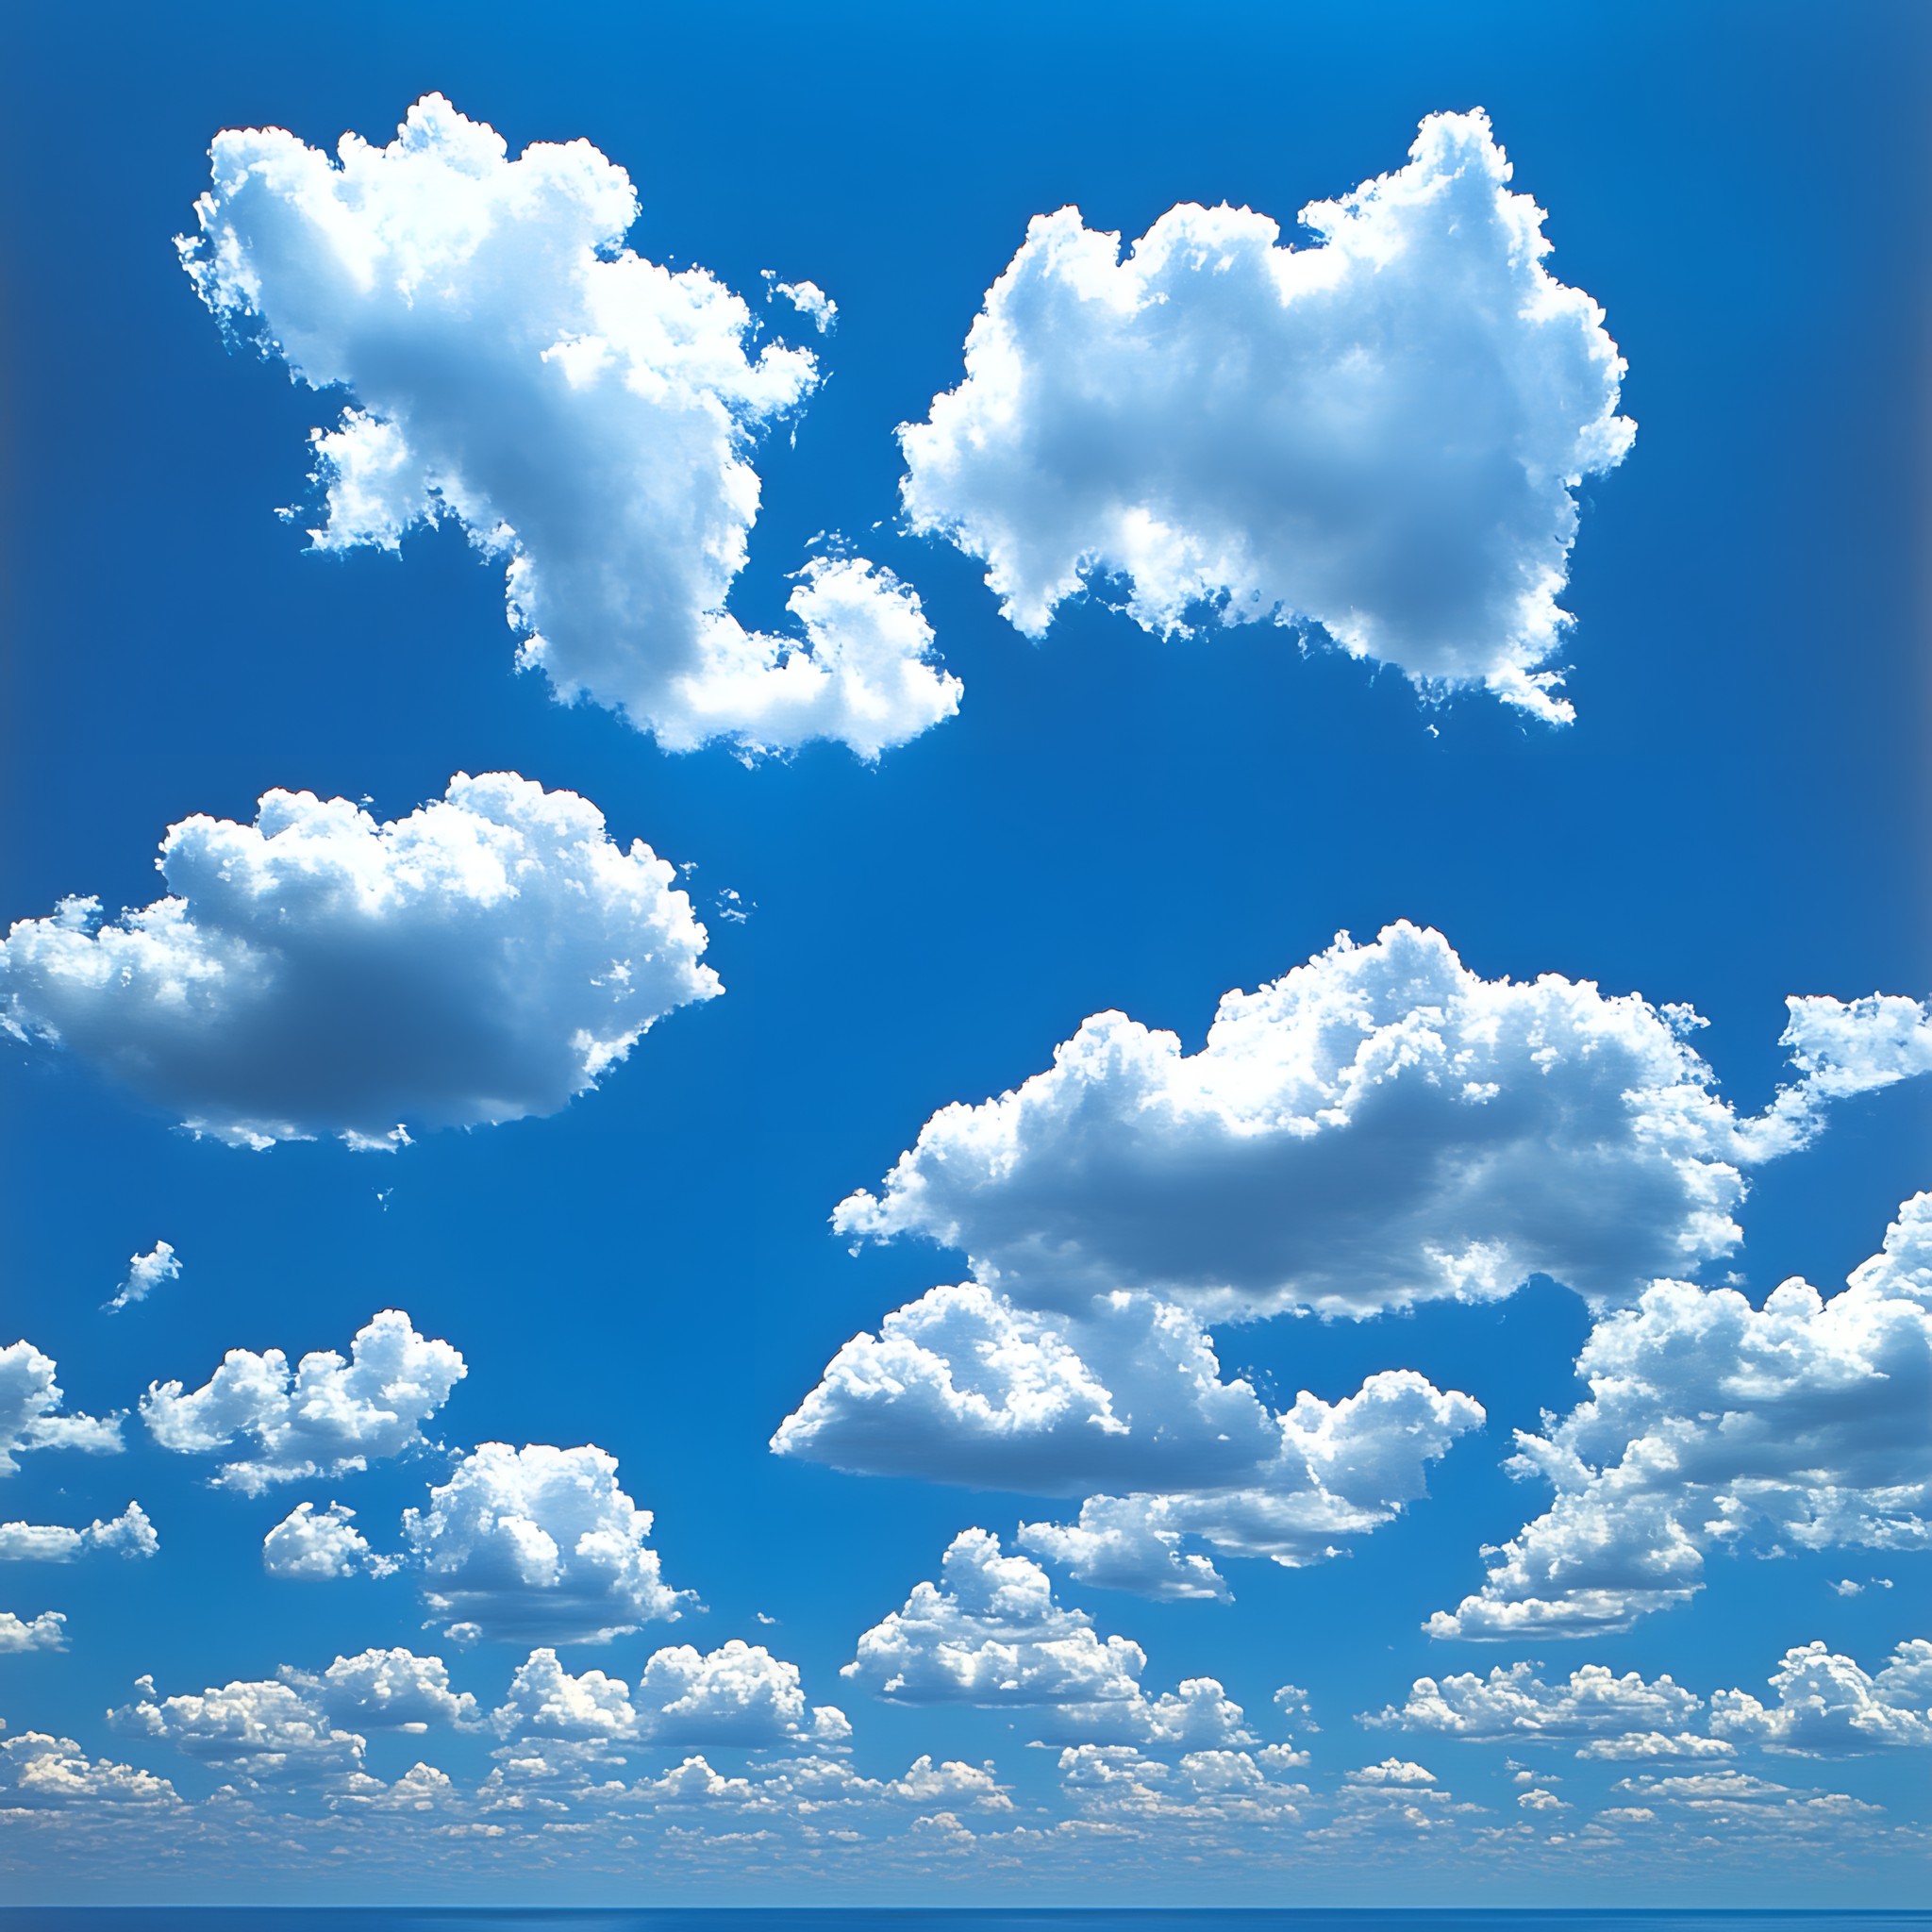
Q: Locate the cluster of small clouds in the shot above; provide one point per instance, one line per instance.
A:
(487, 957)
(1823, 1705)
(585, 414)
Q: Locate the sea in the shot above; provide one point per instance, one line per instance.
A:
(859, 1919)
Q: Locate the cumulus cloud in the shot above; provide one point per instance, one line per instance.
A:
(586, 415)
(327, 1417)
(1379, 1127)
(130, 1534)
(485, 958)
(260, 1729)
(40, 1772)
(537, 1543)
(30, 1417)
(1714, 1425)
(1824, 1705)
(966, 1385)
(48, 1631)
(146, 1272)
(990, 1632)
(1515, 1706)
(1380, 435)
(317, 1547)
(738, 1694)
(387, 1689)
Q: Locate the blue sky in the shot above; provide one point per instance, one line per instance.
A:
(1114, 819)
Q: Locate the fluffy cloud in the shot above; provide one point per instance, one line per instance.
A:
(738, 1694)
(145, 1273)
(1712, 1423)
(537, 1543)
(39, 1773)
(807, 297)
(130, 1534)
(966, 1385)
(1825, 1707)
(387, 1690)
(586, 415)
(485, 958)
(1380, 435)
(1377, 1128)
(45, 1632)
(991, 1633)
(260, 1729)
(314, 1547)
(30, 1414)
(1515, 1706)
(329, 1417)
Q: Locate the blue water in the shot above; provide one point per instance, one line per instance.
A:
(834, 1918)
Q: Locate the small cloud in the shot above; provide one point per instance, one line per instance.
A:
(145, 1273)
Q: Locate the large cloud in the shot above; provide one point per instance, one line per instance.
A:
(964, 1386)
(260, 1729)
(47, 1631)
(990, 1632)
(327, 1417)
(1712, 1423)
(485, 958)
(537, 1544)
(387, 1690)
(129, 1534)
(30, 1411)
(586, 415)
(738, 1694)
(1515, 1706)
(1824, 1705)
(1379, 1127)
(1380, 435)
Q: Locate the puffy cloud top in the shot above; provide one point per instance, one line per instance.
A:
(261, 1730)
(30, 1415)
(47, 1631)
(40, 1772)
(388, 1690)
(990, 1632)
(329, 1417)
(1802, 1422)
(485, 958)
(1379, 1127)
(1380, 435)
(1824, 1706)
(129, 1534)
(316, 1547)
(586, 415)
(537, 1543)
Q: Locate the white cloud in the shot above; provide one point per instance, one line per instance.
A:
(1714, 1425)
(45, 1632)
(1377, 1128)
(260, 1729)
(41, 1772)
(387, 1690)
(483, 960)
(1826, 1707)
(586, 415)
(537, 1543)
(30, 1414)
(991, 1633)
(327, 1417)
(1380, 435)
(1640, 1745)
(965, 1385)
(315, 1548)
(130, 1534)
(146, 1272)
(1514, 1705)
(807, 297)
(738, 1693)
(546, 1701)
